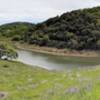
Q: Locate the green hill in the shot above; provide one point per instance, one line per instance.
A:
(79, 30)
(13, 29)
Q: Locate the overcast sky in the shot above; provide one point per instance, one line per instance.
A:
(39, 10)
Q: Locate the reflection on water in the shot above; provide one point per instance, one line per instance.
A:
(56, 62)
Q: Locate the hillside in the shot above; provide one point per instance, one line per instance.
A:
(13, 29)
(78, 30)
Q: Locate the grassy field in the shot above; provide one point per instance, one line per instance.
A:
(23, 82)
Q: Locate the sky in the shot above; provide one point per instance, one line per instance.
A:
(39, 10)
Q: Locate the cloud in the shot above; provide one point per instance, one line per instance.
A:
(97, 0)
(39, 10)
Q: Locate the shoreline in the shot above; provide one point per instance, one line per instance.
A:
(57, 52)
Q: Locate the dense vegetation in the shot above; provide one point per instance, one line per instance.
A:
(17, 30)
(23, 82)
(7, 50)
(77, 30)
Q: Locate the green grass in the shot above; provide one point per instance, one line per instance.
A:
(24, 82)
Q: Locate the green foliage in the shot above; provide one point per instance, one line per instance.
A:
(98, 44)
(7, 50)
(16, 38)
(78, 30)
(18, 28)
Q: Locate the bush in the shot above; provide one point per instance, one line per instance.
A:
(16, 38)
(5, 66)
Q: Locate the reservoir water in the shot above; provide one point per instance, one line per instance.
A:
(53, 62)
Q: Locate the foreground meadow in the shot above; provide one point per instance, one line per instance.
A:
(23, 82)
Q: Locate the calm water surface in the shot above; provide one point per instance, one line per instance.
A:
(52, 62)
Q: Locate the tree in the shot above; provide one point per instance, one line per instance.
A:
(98, 44)
(7, 51)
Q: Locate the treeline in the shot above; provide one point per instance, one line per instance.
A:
(79, 30)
